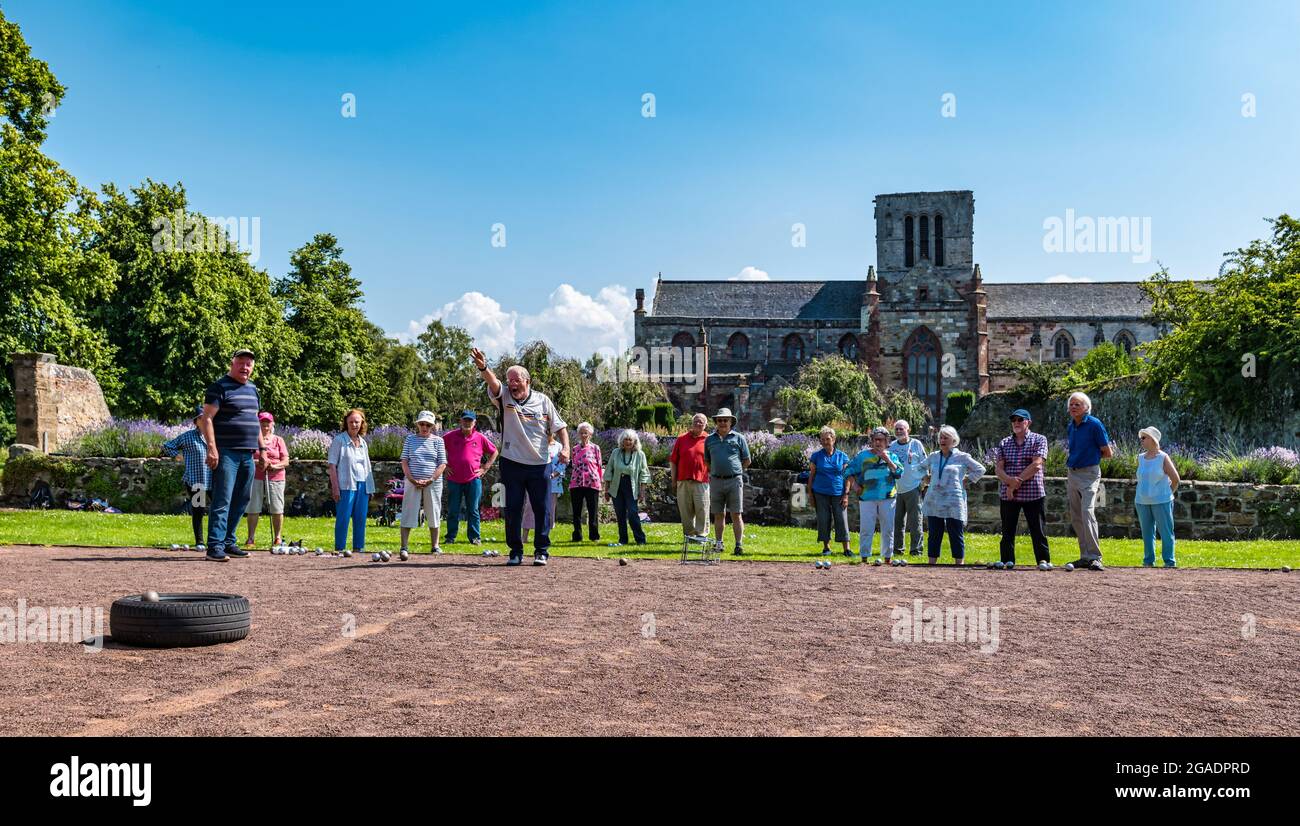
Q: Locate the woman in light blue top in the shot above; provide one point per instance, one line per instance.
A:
(1157, 479)
(351, 481)
(948, 471)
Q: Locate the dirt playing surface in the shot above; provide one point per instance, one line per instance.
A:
(464, 645)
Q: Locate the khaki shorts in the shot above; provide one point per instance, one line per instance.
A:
(413, 498)
(261, 502)
(726, 494)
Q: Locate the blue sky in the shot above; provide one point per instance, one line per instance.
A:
(766, 115)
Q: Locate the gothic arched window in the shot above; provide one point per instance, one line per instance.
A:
(1063, 346)
(938, 240)
(1125, 341)
(925, 237)
(684, 340)
(909, 254)
(921, 356)
(849, 347)
(738, 346)
(792, 348)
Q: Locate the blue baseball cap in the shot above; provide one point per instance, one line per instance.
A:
(468, 414)
(198, 410)
(1022, 413)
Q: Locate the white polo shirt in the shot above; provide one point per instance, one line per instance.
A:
(527, 426)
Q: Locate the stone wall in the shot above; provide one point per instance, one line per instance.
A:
(53, 403)
(1202, 510)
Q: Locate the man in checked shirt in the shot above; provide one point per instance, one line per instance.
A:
(1020, 459)
(194, 451)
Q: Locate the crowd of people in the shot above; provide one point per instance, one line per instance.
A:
(235, 465)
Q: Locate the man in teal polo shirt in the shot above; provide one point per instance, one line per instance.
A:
(727, 454)
(1089, 443)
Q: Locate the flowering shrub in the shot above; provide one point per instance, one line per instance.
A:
(307, 443)
(386, 442)
(126, 438)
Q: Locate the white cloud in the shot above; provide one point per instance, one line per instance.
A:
(492, 328)
(572, 322)
(1063, 278)
(750, 274)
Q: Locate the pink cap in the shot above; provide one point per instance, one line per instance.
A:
(265, 417)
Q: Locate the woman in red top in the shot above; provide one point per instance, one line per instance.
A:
(268, 482)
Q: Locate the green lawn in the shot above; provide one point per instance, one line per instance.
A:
(763, 543)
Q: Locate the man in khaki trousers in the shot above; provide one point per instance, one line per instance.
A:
(1089, 443)
(690, 475)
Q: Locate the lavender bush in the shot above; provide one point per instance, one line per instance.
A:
(127, 438)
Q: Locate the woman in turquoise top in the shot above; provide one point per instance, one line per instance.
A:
(948, 471)
(875, 472)
(1157, 479)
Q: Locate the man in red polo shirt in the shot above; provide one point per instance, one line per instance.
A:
(466, 447)
(690, 473)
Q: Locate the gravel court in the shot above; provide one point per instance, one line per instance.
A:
(463, 645)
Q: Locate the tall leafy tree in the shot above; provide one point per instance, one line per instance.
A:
(448, 380)
(182, 308)
(830, 388)
(50, 270)
(1234, 341)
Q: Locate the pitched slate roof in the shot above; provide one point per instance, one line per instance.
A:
(1075, 299)
(760, 299)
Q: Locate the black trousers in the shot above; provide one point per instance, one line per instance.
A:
(589, 497)
(197, 512)
(1034, 515)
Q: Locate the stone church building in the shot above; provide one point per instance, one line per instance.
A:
(923, 318)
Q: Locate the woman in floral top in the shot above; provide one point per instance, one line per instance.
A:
(588, 468)
(948, 471)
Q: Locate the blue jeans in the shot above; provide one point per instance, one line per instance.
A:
(1152, 518)
(354, 505)
(956, 530)
(533, 482)
(232, 484)
(471, 493)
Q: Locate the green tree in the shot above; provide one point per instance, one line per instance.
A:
(830, 388)
(1105, 361)
(50, 271)
(1234, 341)
(449, 383)
(180, 309)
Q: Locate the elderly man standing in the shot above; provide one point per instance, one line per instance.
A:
(528, 420)
(1019, 467)
(727, 453)
(466, 447)
(909, 453)
(690, 475)
(1089, 443)
(233, 435)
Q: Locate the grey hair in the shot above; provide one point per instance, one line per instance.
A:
(1079, 394)
(879, 431)
(951, 431)
(904, 423)
(523, 371)
(630, 434)
(585, 426)
(826, 430)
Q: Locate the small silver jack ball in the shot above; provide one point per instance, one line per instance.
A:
(151, 596)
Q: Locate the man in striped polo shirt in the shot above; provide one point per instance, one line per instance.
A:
(233, 435)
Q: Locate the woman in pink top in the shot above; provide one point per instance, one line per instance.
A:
(588, 469)
(268, 482)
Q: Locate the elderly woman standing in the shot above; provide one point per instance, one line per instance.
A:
(625, 472)
(351, 480)
(1157, 480)
(948, 471)
(585, 483)
(826, 481)
(876, 472)
(268, 482)
(424, 461)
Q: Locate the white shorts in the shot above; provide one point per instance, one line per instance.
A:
(259, 501)
(430, 497)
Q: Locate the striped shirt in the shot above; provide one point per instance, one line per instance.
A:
(424, 455)
(190, 445)
(1015, 457)
(235, 426)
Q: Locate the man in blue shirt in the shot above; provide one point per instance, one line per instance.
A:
(1089, 443)
(233, 434)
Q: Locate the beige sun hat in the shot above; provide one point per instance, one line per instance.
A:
(724, 413)
(1154, 433)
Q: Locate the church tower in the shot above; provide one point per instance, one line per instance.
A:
(931, 337)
